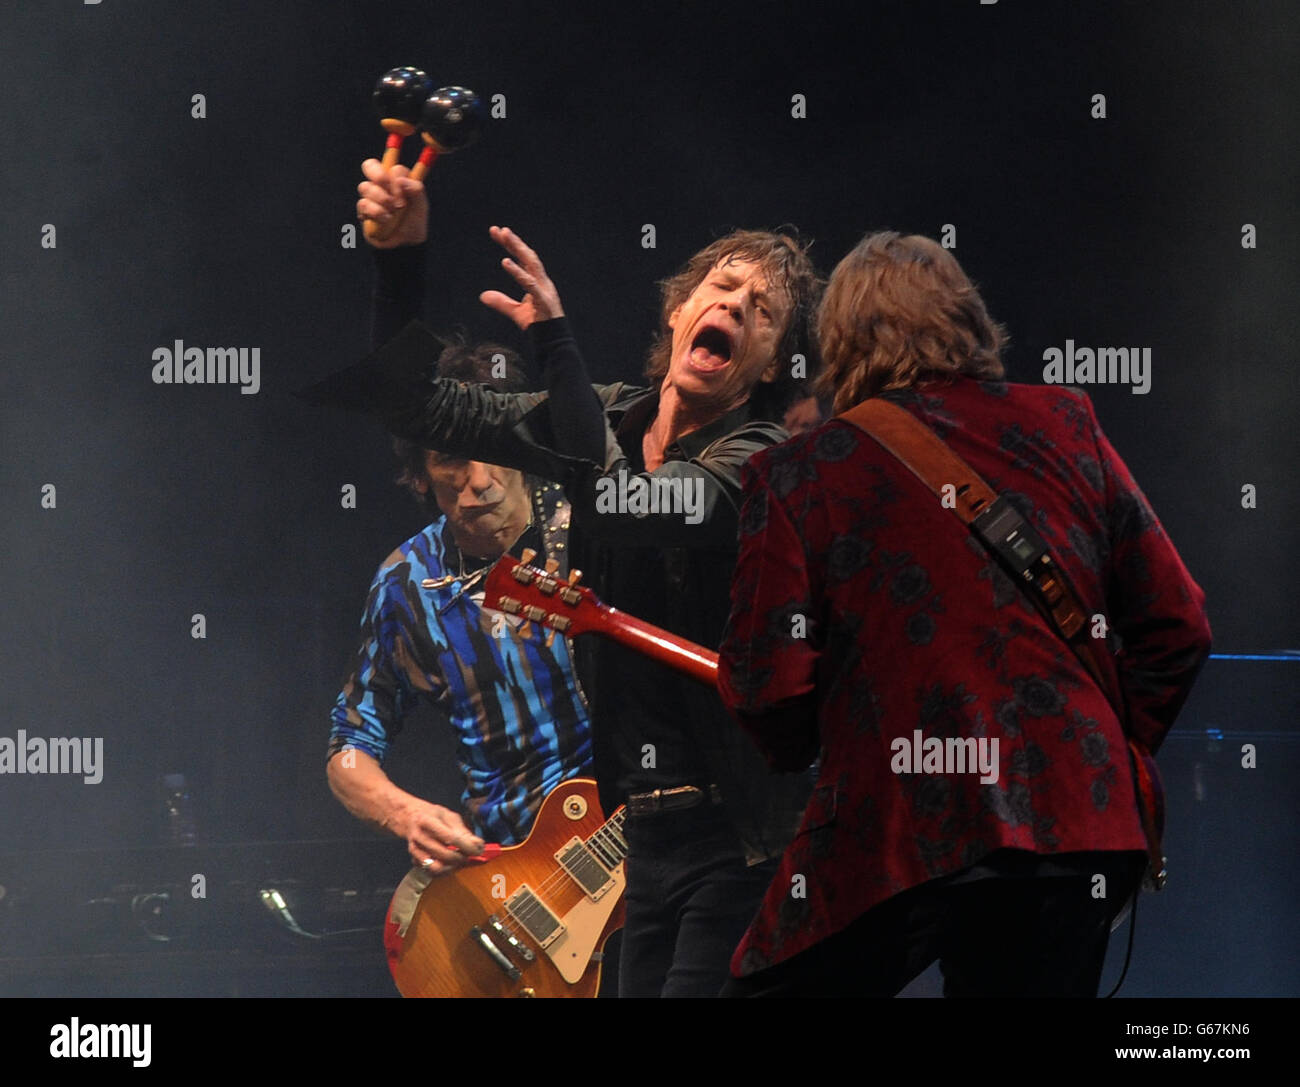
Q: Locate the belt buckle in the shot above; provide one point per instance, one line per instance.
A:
(663, 800)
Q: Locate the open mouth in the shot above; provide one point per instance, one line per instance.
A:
(711, 349)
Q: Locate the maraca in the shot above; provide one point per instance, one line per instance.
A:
(450, 119)
(399, 97)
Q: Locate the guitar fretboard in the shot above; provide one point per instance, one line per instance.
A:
(608, 843)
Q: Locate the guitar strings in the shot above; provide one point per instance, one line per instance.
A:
(554, 880)
(608, 837)
(612, 827)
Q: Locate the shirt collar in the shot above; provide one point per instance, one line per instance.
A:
(639, 414)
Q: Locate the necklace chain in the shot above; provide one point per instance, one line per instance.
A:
(467, 580)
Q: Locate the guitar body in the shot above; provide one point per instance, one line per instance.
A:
(524, 894)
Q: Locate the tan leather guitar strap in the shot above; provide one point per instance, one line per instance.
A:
(928, 458)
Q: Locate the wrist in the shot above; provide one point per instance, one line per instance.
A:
(400, 256)
(397, 816)
(549, 332)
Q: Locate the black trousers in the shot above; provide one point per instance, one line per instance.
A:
(1014, 927)
(690, 896)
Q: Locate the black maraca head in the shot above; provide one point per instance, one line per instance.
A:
(401, 94)
(452, 117)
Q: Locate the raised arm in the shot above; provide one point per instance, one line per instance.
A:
(386, 194)
(577, 415)
(687, 503)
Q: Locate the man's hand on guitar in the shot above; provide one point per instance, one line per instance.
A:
(437, 834)
(542, 300)
(389, 193)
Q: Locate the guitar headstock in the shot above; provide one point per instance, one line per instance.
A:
(540, 596)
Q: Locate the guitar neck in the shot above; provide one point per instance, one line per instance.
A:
(539, 596)
(661, 645)
(608, 842)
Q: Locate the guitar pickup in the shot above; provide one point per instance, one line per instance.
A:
(585, 869)
(535, 916)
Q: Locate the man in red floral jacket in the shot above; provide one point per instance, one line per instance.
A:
(867, 620)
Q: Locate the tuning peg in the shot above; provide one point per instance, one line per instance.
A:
(550, 637)
(552, 566)
(575, 576)
(525, 629)
(527, 556)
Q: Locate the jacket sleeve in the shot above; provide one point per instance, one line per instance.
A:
(577, 414)
(768, 658)
(463, 419)
(1155, 607)
(398, 296)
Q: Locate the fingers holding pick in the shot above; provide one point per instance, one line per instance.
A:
(438, 835)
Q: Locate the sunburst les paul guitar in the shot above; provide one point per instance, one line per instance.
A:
(529, 920)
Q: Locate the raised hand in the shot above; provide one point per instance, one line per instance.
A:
(541, 300)
(390, 192)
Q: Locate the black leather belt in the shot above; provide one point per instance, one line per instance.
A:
(678, 798)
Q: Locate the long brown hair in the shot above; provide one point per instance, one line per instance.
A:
(897, 311)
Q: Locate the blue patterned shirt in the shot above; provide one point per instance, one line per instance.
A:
(517, 711)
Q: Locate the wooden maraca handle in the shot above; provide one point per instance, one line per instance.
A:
(397, 133)
(379, 232)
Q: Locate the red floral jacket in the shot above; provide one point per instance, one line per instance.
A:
(866, 620)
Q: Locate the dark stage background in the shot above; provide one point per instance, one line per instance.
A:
(228, 230)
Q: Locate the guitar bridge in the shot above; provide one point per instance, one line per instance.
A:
(523, 950)
(495, 953)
